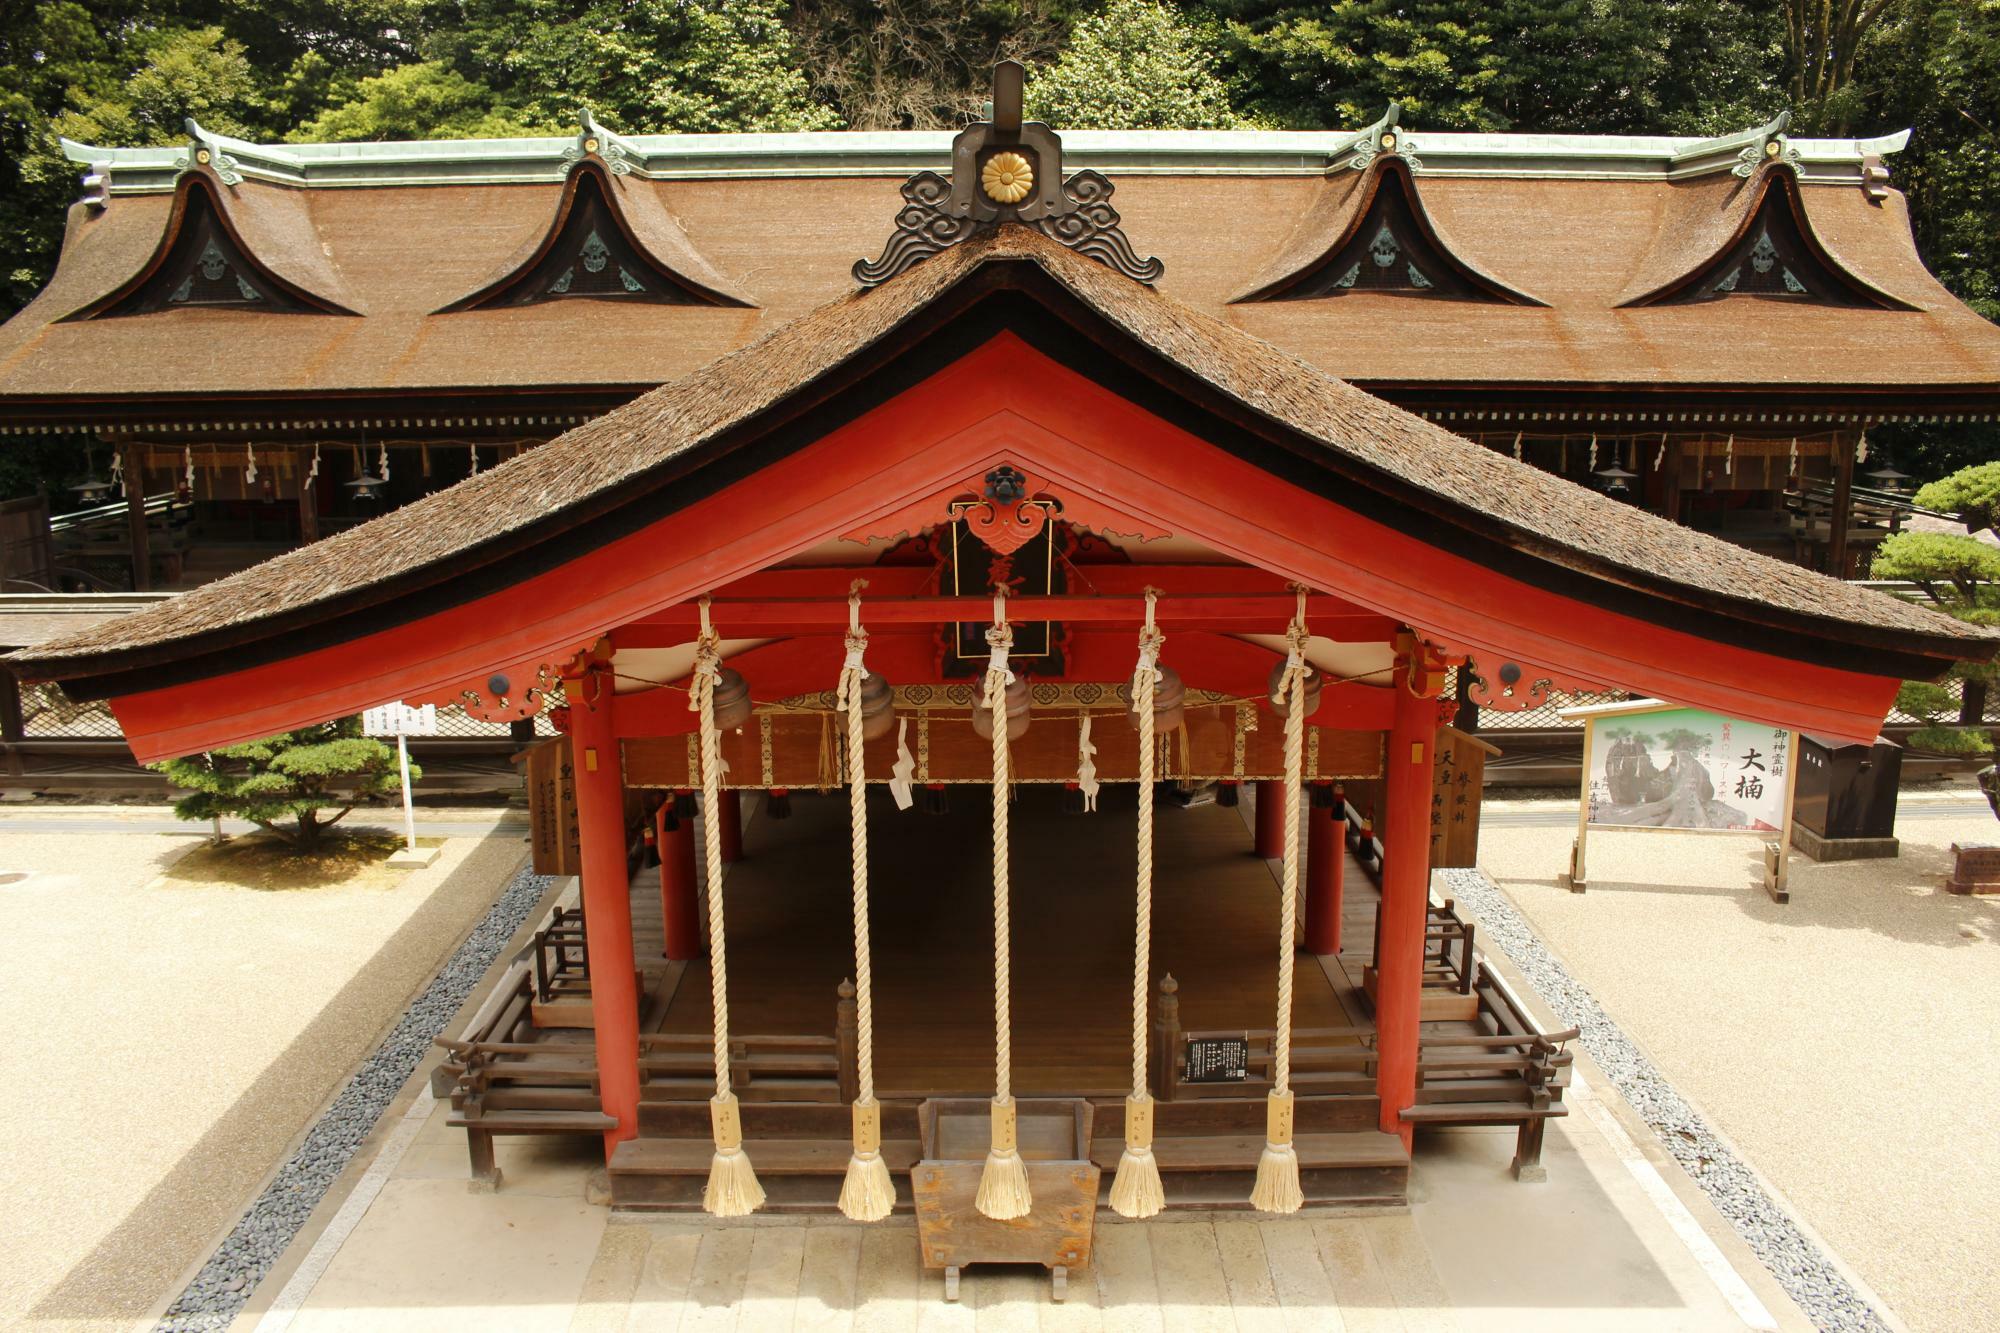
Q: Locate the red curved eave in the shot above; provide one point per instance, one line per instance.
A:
(1006, 402)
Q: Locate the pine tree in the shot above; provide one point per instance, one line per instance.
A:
(296, 776)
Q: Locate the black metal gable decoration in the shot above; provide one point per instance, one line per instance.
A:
(1005, 171)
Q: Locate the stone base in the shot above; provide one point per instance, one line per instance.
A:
(405, 859)
(1843, 849)
(1975, 868)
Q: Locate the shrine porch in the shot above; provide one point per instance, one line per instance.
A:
(1214, 932)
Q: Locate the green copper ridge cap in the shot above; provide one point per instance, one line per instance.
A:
(547, 159)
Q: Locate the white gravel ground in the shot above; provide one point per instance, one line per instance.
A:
(169, 1041)
(1844, 1042)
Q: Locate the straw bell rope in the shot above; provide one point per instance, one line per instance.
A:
(867, 1194)
(732, 1189)
(1277, 1189)
(1003, 1184)
(1136, 1190)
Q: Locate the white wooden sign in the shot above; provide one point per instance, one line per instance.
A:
(400, 719)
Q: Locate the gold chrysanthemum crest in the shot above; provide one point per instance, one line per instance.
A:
(1007, 178)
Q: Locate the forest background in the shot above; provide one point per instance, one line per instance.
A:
(127, 72)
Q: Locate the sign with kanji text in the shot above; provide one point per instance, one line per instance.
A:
(1682, 768)
(1216, 1060)
(400, 720)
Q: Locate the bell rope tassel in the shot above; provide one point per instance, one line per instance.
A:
(732, 1189)
(1277, 1189)
(867, 1194)
(1136, 1190)
(1003, 1184)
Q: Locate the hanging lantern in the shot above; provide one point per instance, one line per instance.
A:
(1169, 702)
(1280, 705)
(732, 700)
(1228, 793)
(878, 707)
(1017, 713)
(778, 803)
(684, 803)
(936, 799)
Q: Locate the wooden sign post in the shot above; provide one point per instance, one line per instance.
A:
(403, 721)
(1659, 767)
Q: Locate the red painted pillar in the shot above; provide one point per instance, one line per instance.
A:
(679, 886)
(1399, 959)
(1326, 857)
(1270, 819)
(607, 901)
(730, 803)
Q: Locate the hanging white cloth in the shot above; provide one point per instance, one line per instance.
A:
(903, 786)
(1086, 766)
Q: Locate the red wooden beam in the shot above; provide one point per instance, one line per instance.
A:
(1243, 613)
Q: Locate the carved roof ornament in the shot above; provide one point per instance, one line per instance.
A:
(1772, 144)
(1384, 136)
(1006, 170)
(205, 150)
(593, 140)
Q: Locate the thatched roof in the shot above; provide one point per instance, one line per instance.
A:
(661, 437)
(401, 254)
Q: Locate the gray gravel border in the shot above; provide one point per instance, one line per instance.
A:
(222, 1287)
(1801, 1267)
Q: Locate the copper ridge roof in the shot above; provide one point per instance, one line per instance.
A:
(1368, 442)
(1219, 209)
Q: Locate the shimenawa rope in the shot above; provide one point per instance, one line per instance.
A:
(1003, 1184)
(1136, 1191)
(732, 1189)
(1277, 1189)
(867, 1194)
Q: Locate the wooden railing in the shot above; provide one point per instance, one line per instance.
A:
(680, 1066)
(500, 1080)
(560, 956)
(1325, 1061)
(1507, 1070)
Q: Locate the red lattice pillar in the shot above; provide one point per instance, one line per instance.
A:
(1399, 958)
(607, 901)
(1326, 856)
(1270, 819)
(679, 886)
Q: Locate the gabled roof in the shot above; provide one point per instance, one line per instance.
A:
(645, 226)
(411, 228)
(1353, 208)
(269, 229)
(1708, 222)
(635, 455)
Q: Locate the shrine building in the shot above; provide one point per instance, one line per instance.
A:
(1009, 599)
(1705, 328)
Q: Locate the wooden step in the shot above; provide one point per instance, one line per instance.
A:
(801, 1157)
(511, 1098)
(535, 1122)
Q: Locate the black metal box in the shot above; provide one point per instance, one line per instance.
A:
(1847, 791)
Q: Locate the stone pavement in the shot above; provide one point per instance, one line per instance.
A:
(1843, 1042)
(412, 1248)
(170, 1039)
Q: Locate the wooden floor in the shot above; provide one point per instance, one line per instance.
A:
(1215, 913)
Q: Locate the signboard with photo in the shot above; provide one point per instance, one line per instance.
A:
(1681, 768)
(1652, 765)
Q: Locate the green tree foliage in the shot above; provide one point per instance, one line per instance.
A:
(643, 66)
(920, 64)
(1584, 65)
(1961, 576)
(297, 776)
(1138, 65)
(426, 100)
(1972, 493)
